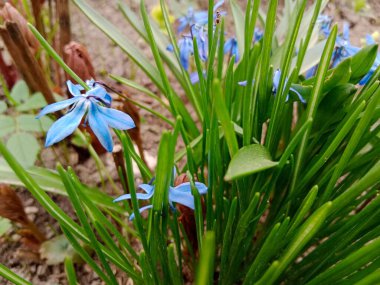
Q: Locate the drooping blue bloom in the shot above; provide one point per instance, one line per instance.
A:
(196, 18)
(180, 194)
(94, 106)
(276, 83)
(200, 34)
(343, 49)
(194, 77)
(231, 48)
(186, 48)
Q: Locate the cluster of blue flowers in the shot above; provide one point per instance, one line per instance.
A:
(94, 105)
(343, 47)
(179, 194)
(195, 22)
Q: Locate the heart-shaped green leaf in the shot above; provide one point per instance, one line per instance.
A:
(24, 148)
(248, 160)
(7, 125)
(20, 92)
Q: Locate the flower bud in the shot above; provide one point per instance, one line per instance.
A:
(10, 14)
(78, 59)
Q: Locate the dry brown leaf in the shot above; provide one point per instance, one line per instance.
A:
(11, 206)
(78, 59)
(10, 13)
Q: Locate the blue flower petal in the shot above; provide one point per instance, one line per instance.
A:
(97, 92)
(183, 22)
(194, 77)
(74, 89)
(182, 195)
(202, 188)
(346, 31)
(116, 119)
(58, 106)
(218, 4)
(185, 50)
(276, 80)
(101, 94)
(299, 95)
(132, 216)
(90, 83)
(170, 48)
(100, 127)
(148, 188)
(66, 125)
(200, 18)
(122, 197)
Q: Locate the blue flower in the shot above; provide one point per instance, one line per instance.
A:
(324, 23)
(276, 82)
(343, 49)
(231, 48)
(196, 18)
(186, 48)
(180, 194)
(370, 41)
(258, 34)
(199, 33)
(94, 104)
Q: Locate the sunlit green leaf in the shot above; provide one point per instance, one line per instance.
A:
(248, 160)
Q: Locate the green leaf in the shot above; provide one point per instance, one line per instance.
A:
(362, 62)
(24, 148)
(339, 75)
(206, 261)
(3, 107)
(239, 25)
(56, 250)
(5, 225)
(20, 92)
(11, 276)
(36, 101)
(29, 123)
(70, 272)
(7, 125)
(248, 160)
(50, 181)
(302, 237)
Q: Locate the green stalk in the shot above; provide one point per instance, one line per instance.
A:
(313, 102)
(11, 276)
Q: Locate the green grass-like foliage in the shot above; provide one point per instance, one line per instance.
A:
(292, 188)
